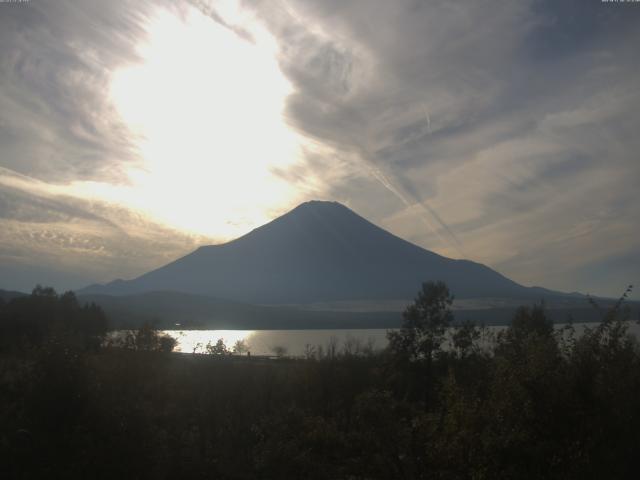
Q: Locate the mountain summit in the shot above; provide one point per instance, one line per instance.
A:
(317, 252)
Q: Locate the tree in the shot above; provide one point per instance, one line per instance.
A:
(465, 337)
(425, 323)
(218, 349)
(45, 316)
(166, 343)
(147, 338)
(240, 347)
(418, 342)
(279, 351)
(531, 330)
(43, 292)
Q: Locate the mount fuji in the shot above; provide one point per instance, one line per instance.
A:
(318, 252)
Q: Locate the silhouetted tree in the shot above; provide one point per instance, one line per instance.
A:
(425, 323)
(46, 316)
(240, 347)
(418, 341)
(279, 351)
(166, 343)
(219, 348)
(529, 406)
(465, 337)
(147, 338)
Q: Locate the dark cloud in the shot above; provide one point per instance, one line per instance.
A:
(574, 27)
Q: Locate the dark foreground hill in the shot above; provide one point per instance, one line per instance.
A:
(318, 252)
(526, 404)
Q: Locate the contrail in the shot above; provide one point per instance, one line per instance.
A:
(441, 222)
(208, 10)
(426, 114)
(426, 211)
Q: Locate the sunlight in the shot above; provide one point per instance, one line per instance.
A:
(206, 107)
(196, 341)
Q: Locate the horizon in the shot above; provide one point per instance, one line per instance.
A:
(324, 239)
(315, 209)
(134, 133)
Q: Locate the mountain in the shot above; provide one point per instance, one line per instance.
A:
(318, 252)
(8, 295)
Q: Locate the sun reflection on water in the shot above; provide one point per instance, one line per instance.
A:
(190, 341)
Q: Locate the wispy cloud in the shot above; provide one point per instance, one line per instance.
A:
(503, 133)
(529, 132)
(55, 65)
(78, 239)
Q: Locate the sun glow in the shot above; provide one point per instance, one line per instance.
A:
(205, 105)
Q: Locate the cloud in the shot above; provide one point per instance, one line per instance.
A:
(507, 130)
(58, 127)
(503, 133)
(73, 241)
(56, 122)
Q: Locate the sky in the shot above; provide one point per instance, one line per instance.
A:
(132, 132)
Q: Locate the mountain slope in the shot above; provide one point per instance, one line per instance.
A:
(8, 295)
(319, 251)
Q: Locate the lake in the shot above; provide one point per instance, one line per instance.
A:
(289, 342)
(297, 343)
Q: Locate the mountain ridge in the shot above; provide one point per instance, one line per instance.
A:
(318, 251)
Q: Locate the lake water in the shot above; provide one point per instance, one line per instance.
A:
(289, 342)
(299, 343)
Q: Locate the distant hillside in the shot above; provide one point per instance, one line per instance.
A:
(166, 309)
(174, 310)
(318, 252)
(7, 295)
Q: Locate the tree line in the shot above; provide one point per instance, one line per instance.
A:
(535, 402)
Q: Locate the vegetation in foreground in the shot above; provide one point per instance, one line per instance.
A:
(535, 403)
